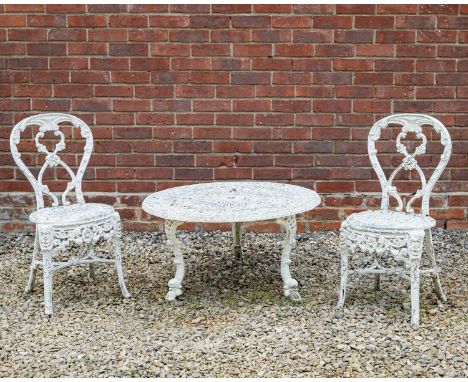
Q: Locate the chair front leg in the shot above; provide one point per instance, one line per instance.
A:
(118, 256)
(33, 267)
(46, 244)
(435, 274)
(415, 248)
(343, 272)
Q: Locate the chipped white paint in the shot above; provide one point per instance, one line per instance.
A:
(236, 203)
(59, 226)
(400, 234)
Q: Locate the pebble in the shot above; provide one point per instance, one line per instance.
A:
(232, 320)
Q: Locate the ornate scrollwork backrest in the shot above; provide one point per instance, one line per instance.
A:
(51, 122)
(410, 123)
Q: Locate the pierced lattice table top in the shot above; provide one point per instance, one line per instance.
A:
(228, 202)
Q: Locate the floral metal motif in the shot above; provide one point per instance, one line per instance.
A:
(398, 234)
(59, 226)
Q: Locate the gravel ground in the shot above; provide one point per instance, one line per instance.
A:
(232, 320)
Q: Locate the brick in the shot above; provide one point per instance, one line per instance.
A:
(163, 21)
(69, 63)
(231, 8)
(415, 51)
(249, 105)
(313, 8)
(209, 22)
(65, 8)
(291, 106)
(230, 36)
(354, 36)
(273, 8)
(366, 50)
(49, 76)
(355, 9)
(130, 77)
(334, 50)
(12, 21)
(229, 64)
(84, 21)
(67, 35)
(109, 63)
(439, 8)
(332, 78)
(128, 49)
(128, 21)
(291, 22)
(312, 64)
(250, 78)
(27, 35)
(397, 8)
(234, 119)
(374, 22)
(148, 8)
(394, 65)
(271, 64)
(333, 22)
(332, 106)
(292, 78)
(353, 64)
(374, 78)
(433, 36)
(294, 50)
(395, 37)
(50, 104)
(131, 105)
(274, 119)
(81, 48)
(211, 105)
(266, 35)
(418, 22)
(150, 35)
(251, 21)
(73, 91)
(252, 50)
(210, 49)
(452, 22)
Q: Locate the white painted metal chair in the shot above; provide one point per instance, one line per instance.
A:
(400, 235)
(61, 225)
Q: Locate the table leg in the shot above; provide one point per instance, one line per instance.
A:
(290, 285)
(175, 284)
(237, 239)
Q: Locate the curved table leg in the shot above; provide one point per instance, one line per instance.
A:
(175, 284)
(289, 242)
(237, 240)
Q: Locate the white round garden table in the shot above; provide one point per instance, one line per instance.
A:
(235, 203)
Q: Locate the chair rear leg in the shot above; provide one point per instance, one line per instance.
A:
(344, 275)
(91, 273)
(48, 274)
(435, 275)
(118, 259)
(377, 282)
(33, 267)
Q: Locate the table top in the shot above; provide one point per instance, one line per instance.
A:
(230, 202)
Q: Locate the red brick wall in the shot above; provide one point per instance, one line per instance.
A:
(184, 93)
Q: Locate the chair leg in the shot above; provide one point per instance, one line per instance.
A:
(48, 273)
(118, 258)
(33, 267)
(415, 246)
(91, 273)
(344, 271)
(377, 282)
(435, 275)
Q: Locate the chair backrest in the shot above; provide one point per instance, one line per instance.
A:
(409, 123)
(51, 122)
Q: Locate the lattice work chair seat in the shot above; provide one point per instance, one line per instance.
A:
(400, 235)
(389, 221)
(59, 226)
